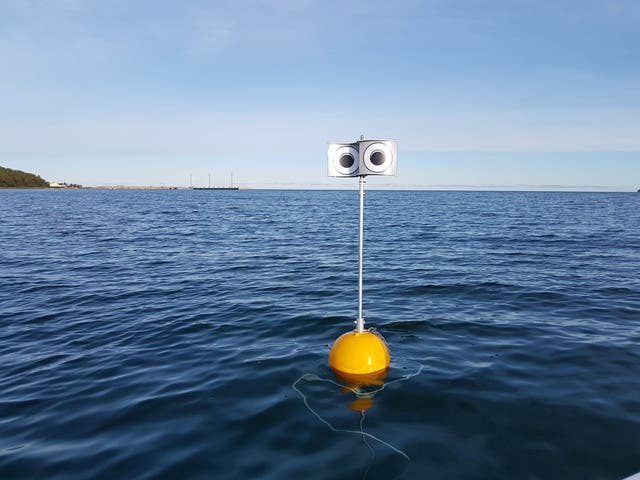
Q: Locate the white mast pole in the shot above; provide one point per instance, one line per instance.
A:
(360, 320)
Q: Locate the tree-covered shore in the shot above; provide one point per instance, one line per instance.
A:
(10, 178)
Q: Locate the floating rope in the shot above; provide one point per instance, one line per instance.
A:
(359, 393)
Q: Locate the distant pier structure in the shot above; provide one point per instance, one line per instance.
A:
(229, 187)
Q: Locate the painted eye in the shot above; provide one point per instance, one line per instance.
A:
(346, 161)
(343, 160)
(378, 158)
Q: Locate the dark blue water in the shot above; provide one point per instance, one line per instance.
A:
(151, 335)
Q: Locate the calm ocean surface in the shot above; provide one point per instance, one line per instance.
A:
(158, 335)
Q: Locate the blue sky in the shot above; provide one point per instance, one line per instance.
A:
(479, 94)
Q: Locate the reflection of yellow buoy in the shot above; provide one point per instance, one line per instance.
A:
(358, 383)
(359, 353)
(361, 404)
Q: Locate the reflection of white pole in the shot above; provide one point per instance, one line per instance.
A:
(360, 320)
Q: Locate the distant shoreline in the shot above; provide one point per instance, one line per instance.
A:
(122, 187)
(470, 190)
(152, 187)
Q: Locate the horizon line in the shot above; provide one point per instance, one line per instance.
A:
(387, 187)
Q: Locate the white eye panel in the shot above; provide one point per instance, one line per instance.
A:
(345, 160)
(378, 157)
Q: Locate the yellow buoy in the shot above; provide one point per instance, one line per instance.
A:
(359, 353)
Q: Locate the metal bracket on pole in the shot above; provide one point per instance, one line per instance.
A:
(360, 321)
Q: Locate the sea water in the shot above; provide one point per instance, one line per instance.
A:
(158, 334)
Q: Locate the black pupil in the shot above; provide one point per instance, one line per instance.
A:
(377, 158)
(346, 161)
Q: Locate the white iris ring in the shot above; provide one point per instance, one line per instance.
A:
(388, 157)
(345, 150)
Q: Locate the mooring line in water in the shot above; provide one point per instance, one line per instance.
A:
(364, 439)
(341, 430)
(310, 377)
(360, 393)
